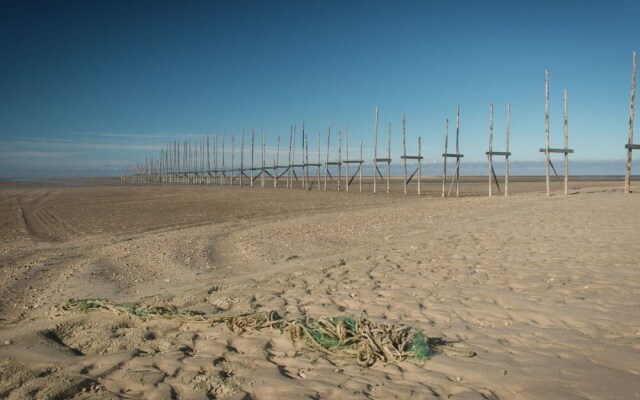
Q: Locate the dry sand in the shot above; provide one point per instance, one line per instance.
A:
(546, 290)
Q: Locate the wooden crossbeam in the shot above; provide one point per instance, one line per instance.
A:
(559, 151)
(411, 157)
(498, 153)
(382, 160)
(352, 161)
(452, 155)
(632, 146)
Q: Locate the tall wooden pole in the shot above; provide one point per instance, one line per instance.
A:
(326, 165)
(566, 145)
(305, 155)
(347, 175)
(546, 129)
(444, 163)
(318, 168)
(293, 154)
(419, 165)
(490, 146)
(222, 166)
(458, 151)
(506, 166)
(233, 152)
(252, 152)
(262, 172)
(404, 152)
(339, 158)
(209, 160)
(306, 161)
(389, 160)
(375, 152)
(242, 159)
(275, 170)
(627, 176)
(361, 165)
(289, 165)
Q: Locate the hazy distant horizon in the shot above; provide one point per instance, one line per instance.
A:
(611, 168)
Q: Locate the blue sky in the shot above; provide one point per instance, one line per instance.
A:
(87, 87)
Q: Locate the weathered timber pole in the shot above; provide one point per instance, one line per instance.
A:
(506, 166)
(627, 176)
(490, 147)
(566, 145)
(404, 152)
(546, 130)
(375, 151)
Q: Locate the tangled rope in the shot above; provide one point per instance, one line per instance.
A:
(364, 339)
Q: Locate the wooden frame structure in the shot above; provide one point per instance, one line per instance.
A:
(505, 153)
(548, 150)
(630, 146)
(405, 157)
(456, 177)
(376, 160)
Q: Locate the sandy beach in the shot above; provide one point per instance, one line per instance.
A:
(543, 290)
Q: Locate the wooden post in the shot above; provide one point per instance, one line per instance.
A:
(242, 159)
(304, 155)
(419, 165)
(289, 164)
(293, 156)
(275, 166)
(319, 164)
(360, 167)
(262, 171)
(208, 162)
(326, 166)
(389, 162)
(444, 163)
(566, 145)
(252, 166)
(404, 152)
(506, 166)
(223, 172)
(490, 146)
(339, 158)
(546, 129)
(306, 161)
(346, 158)
(233, 152)
(375, 152)
(216, 164)
(458, 151)
(627, 176)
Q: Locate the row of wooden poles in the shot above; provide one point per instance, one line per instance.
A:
(189, 163)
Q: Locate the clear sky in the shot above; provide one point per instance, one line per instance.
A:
(87, 87)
